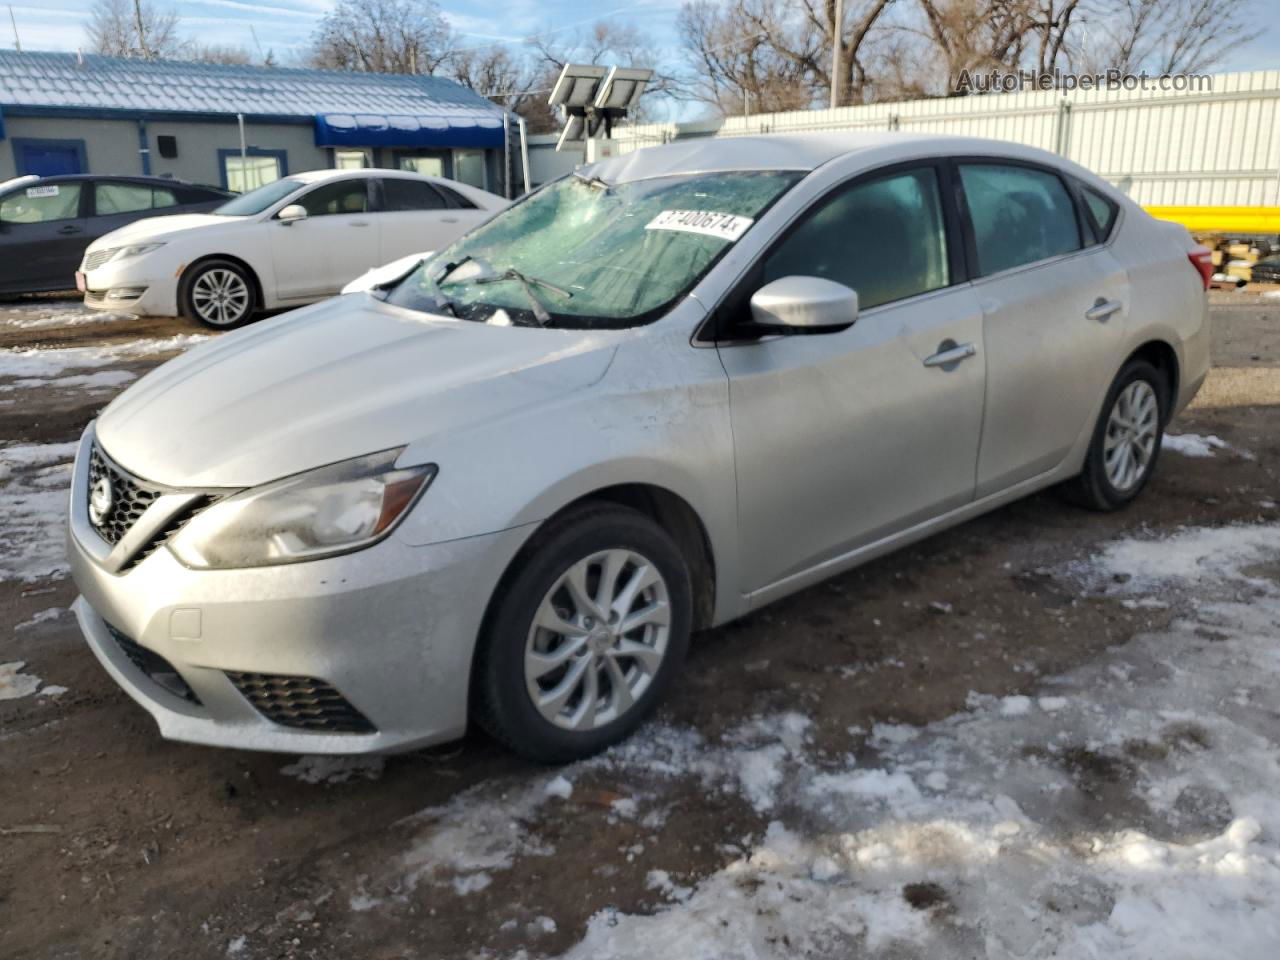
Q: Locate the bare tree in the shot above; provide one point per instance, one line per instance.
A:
(1166, 36)
(133, 28)
(382, 36)
(736, 69)
(513, 80)
(219, 53)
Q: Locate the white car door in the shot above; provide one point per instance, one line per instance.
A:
(417, 216)
(844, 438)
(336, 242)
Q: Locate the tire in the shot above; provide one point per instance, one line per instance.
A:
(217, 293)
(519, 658)
(1102, 484)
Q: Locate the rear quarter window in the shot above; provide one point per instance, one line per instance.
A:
(1103, 211)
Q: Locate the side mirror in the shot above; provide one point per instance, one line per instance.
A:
(806, 304)
(293, 212)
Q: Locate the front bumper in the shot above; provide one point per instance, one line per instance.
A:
(158, 294)
(391, 628)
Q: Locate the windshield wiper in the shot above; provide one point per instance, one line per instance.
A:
(528, 284)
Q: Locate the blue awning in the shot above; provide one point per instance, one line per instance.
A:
(481, 129)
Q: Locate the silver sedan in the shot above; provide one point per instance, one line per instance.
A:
(508, 482)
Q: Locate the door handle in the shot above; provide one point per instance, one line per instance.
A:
(358, 223)
(950, 354)
(69, 228)
(1102, 310)
(448, 219)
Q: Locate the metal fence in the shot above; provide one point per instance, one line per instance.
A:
(1217, 147)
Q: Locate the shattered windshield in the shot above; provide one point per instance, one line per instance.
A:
(582, 253)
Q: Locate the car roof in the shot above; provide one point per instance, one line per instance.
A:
(129, 177)
(800, 151)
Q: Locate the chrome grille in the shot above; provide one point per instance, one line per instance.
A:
(302, 702)
(93, 261)
(130, 497)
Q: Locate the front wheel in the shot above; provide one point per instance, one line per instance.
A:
(217, 293)
(1126, 441)
(585, 637)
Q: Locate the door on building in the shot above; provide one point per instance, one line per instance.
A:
(49, 158)
(338, 241)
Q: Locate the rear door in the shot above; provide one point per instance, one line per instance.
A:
(337, 242)
(417, 216)
(42, 236)
(117, 203)
(844, 438)
(1054, 306)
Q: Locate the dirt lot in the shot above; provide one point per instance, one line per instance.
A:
(115, 843)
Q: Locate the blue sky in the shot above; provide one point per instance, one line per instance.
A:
(285, 25)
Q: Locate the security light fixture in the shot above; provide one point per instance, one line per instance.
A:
(593, 98)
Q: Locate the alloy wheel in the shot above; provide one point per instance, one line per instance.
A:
(1130, 442)
(221, 297)
(597, 639)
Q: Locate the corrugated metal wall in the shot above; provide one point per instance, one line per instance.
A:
(1219, 147)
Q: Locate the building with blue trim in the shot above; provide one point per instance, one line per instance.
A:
(68, 113)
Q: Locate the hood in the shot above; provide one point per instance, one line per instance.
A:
(340, 379)
(156, 227)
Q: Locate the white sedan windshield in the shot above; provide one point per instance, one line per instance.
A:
(593, 254)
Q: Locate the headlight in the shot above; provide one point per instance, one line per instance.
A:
(335, 509)
(137, 250)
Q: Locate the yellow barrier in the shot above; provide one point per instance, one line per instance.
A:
(1244, 221)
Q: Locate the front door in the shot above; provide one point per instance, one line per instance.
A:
(42, 237)
(337, 242)
(845, 438)
(49, 158)
(1055, 311)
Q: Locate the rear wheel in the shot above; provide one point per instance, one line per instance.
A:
(1126, 441)
(586, 637)
(217, 293)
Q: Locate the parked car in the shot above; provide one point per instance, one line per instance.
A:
(289, 243)
(647, 399)
(47, 222)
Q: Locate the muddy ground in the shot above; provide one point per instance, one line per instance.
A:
(115, 843)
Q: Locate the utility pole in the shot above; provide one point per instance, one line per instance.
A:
(142, 31)
(837, 38)
(17, 41)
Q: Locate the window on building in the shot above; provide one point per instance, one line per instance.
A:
(243, 174)
(883, 238)
(351, 159)
(344, 196)
(429, 164)
(410, 195)
(469, 167)
(1020, 215)
(42, 203)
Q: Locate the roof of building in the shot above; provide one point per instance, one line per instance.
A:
(72, 80)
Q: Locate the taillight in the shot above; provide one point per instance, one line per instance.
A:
(1202, 259)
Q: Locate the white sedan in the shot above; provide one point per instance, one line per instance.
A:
(288, 243)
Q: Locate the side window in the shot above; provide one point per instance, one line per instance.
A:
(42, 204)
(344, 196)
(399, 195)
(163, 197)
(111, 198)
(1020, 215)
(1103, 210)
(885, 238)
(456, 199)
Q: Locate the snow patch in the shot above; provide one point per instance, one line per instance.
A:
(1193, 445)
(14, 683)
(327, 770)
(33, 510)
(44, 616)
